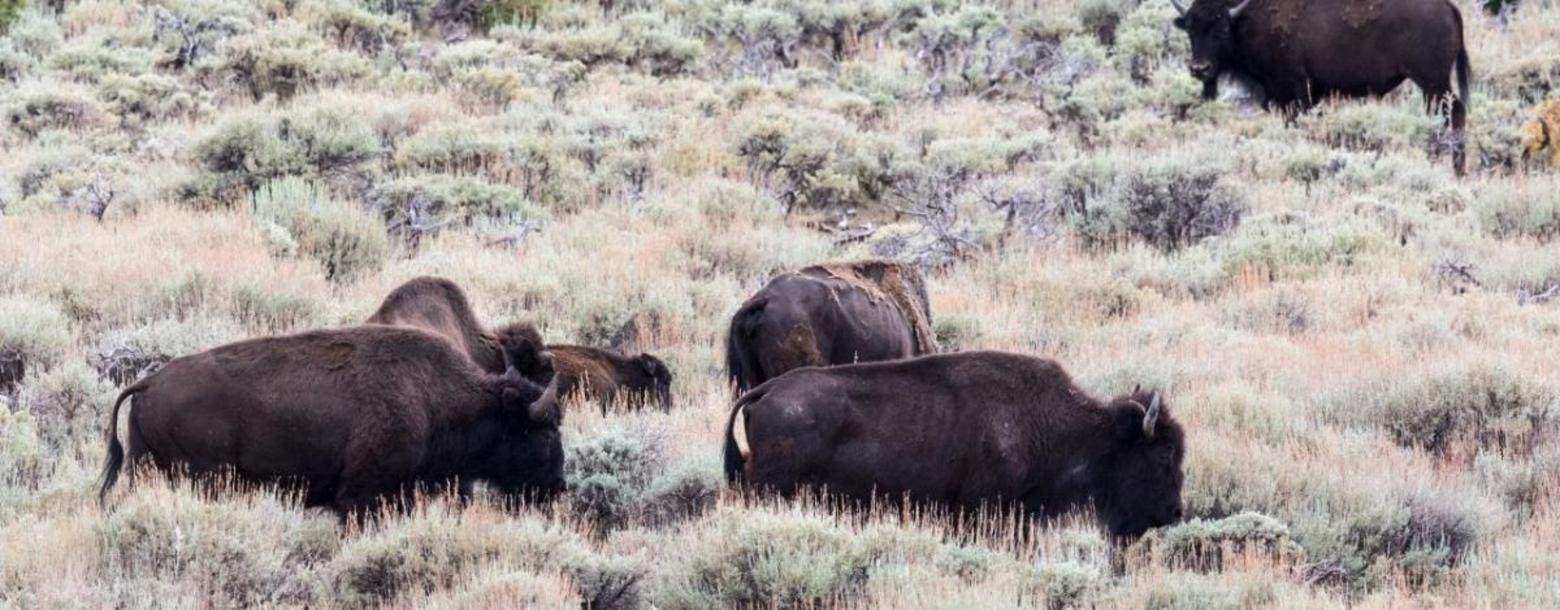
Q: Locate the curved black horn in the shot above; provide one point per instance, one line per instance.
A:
(1151, 416)
(509, 361)
(1239, 8)
(1178, 6)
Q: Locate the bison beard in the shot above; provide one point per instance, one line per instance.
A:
(1302, 51)
(353, 417)
(962, 431)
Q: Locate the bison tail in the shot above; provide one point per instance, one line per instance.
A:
(741, 365)
(1464, 68)
(736, 452)
(116, 451)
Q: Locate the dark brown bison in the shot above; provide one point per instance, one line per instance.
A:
(962, 431)
(840, 313)
(610, 377)
(439, 306)
(1299, 52)
(351, 417)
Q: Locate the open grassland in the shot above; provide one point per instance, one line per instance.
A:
(1363, 348)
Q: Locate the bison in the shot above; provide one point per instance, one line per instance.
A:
(962, 431)
(840, 313)
(439, 306)
(1299, 52)
(351, 417)
(609, 376)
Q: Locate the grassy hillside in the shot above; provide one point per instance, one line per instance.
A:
(1362, 347)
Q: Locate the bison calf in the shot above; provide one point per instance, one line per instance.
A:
(353, 417)
(609, 376)
(962, 431)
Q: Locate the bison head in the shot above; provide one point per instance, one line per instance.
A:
(524, 351)
(528, 461)
(1141, 479)
(658, 378)
(1210, 26)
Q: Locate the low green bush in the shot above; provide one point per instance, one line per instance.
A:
(33, 336)
(345, 240)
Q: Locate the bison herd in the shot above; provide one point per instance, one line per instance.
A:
(842, 388)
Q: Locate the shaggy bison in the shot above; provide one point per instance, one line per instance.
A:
(351, 417)
(823, 315)
(1301, 51)
(439, 306)
(959, 431)
(609, 376)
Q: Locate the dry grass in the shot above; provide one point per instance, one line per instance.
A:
(1364, 361)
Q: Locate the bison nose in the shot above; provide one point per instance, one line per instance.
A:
(1175, 513)
(1202, 70)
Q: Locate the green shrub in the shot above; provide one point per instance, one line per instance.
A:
(1482, 403)
(686, 490)
(69, 402)
(1290, 246)
(141, 100)
(33, 336)
(126, 354)
(416, 206)
(316, 141)
(1531, 211)
(1375, 127)
(1169, 204)
(9, 11)
(766, 558)
(286, 60)
(957, 333)
(1209, 545)
(346, 241)
(37, 107)
(610, 471)
(252, 552)
(351, 25)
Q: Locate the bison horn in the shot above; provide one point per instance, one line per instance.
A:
(509, 361)
(1239, 8)
(1178, 6)
(546, 407)
(1151, 416)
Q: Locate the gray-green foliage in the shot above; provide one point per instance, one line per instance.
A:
(344, 239)
(33, 336)
(621, 475)
(1170, 204)
(315, 141)
(1480, 402)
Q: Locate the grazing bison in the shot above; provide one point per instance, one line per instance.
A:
(439, 306)
(1301, 51)
(352, 417)
(609, 376)
(840, 313)
(961, 431)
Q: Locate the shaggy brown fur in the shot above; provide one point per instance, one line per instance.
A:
(1541, 132)
(963, 431)
(609, 377)
(836, 313)
(437, 305)
(353, 417)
